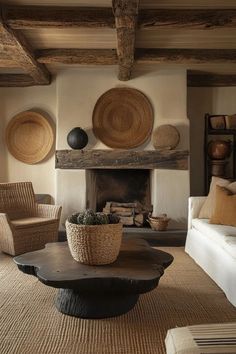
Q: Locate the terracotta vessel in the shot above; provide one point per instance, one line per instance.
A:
(219, 149)
(77, 138)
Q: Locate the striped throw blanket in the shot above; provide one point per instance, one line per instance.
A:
(202, 339)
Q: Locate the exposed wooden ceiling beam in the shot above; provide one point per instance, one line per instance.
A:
(29, 17)
(16, 47)
(185, 56)
(210, 80)
(126, 14)
(77, 56)
(142, 56)
(6, 61)
(188, 19)
(16, 80)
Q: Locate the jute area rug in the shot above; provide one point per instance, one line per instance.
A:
(30, 323)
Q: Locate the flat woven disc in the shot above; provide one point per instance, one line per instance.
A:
(165, 137)
(29, 137)
(123, 118)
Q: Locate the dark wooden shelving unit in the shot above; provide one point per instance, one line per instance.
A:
(219, 134)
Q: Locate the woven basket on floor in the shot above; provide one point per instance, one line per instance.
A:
(158, 223)
(94, 244)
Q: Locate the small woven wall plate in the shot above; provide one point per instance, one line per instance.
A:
(165, 137)
(29, 137)
(123, 118)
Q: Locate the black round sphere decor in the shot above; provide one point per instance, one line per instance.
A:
(77, 138)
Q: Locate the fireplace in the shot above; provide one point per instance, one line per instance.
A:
(120, 186)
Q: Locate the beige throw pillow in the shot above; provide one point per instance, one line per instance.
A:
(225, 207)
(209, 204)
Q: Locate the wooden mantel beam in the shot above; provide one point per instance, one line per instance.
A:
(16, 47)
(30, 17)
(126, 15)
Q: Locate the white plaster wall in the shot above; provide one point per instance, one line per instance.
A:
(16, 100)
(201, 100)
(77, 93)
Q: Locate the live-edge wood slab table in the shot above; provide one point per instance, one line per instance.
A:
(97, 291)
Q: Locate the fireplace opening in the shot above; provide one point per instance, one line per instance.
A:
(125, 192)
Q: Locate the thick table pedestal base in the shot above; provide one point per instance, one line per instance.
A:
(70, 302)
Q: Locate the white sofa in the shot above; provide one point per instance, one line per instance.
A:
(213, 247)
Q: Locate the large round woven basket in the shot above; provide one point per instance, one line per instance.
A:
(30, 137)
(94, 244)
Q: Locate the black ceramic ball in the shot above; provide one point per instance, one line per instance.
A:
(77, 138)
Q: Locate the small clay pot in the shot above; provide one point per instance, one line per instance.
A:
(77, 138)
(219, 149)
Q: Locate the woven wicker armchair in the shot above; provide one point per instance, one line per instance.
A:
(25, 225)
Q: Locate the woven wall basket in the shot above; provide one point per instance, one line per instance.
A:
(94, 244)
(29, 137)
(165, 137)
(123, 118)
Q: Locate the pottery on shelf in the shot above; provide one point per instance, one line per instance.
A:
(219, 149)
(77, 138)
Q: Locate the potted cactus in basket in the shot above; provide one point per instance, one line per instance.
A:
(94, 238)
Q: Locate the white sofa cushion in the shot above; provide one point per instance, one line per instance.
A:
(224, 236)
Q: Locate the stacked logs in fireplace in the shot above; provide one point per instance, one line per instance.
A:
(130, 214)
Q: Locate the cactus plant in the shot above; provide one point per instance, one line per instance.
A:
(89, 217)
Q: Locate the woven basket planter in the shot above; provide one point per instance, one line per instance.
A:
(158, 223)
(94, 244)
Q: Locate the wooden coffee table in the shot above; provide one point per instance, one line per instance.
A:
(97, 291)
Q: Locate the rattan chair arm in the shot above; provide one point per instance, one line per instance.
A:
(49, 211)
(5, 222)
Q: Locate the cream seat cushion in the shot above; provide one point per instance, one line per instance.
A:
(224, 236)
(31, 222)
(209, 204)
(202, 339)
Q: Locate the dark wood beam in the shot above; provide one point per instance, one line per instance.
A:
(189, 19)
(142, 56)
(77, 56)
(15, 46)
(6, 61)
(16, 80)
(128, 159)
(29, 17)
(126, 14)
(185, 56)
(210, 80)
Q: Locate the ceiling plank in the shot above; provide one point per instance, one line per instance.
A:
(185, 56)
(126, 14)
(189, 19)
(210, 80)
(30, 17)
(16, 80)
(15, 46)
(77, 56)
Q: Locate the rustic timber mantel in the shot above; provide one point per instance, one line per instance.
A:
(122, 159)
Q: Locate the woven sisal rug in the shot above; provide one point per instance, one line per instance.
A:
(30, 324)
